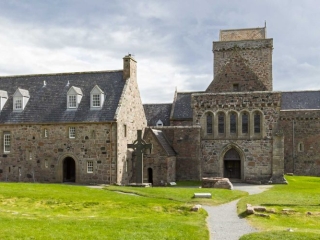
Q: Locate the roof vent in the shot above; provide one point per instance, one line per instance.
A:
(68, 83)
(44, 83)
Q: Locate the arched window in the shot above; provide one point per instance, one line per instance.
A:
(257, 122)
(221, 123)
(209, 123)
(233, 123)
(245, 123)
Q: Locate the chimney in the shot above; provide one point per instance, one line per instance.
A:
(129, 67)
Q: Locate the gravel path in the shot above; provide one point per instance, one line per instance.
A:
(223, 221)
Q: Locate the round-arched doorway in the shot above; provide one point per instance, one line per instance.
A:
(69, 170)
(232, 164)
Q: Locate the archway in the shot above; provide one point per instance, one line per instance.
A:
(150, 175)
(232, 164)
(69, 170)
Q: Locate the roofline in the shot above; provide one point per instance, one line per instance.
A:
(242, 29)
(299, 110)
(238, 93)
(300, 91)
(59, 74)
(54, 123)
(157, 104)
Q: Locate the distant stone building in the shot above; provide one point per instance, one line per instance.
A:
(75, 127)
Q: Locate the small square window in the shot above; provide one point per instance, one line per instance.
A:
(96, 100)
(72, 132)
(72, 101)
(90, 167)
(235, 87)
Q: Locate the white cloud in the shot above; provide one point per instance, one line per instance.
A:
(171, 40)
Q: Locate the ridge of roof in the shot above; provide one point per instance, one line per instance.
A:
(59, 74)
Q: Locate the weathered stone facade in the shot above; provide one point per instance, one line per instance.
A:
(50, 142)
(231, 129)
(301, 129)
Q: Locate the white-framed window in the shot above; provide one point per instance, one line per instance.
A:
(20, 99)
(72, 132)
(45, 133)
(72, 101)
(90, 167)
(6, 142)
(96, 100)
(18, 104)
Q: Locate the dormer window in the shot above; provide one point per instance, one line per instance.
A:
(74, 97)
(20, 99)
(159, 123)
(96, 98)
(3, 98)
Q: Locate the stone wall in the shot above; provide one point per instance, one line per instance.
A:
(186, 142)
(255, 149)
(34, 157)
(130, 117)
(257, 54)
(301, 129)
(242, 34)
(163, 166)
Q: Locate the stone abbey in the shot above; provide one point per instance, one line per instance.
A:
(75, 127)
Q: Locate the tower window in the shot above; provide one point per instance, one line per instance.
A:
(233, 123)
(235, 87)
(221, 123)
(257, 123)
(245, 123)
(209, 123)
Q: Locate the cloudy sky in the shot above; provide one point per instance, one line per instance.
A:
(171, 40)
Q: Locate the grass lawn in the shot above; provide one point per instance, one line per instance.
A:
(300, 196)
(56, 211)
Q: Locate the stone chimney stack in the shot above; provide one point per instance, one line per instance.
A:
(129, 67)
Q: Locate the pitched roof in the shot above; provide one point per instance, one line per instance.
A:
(164, 142)
(48, 102)
(182, 106)
(300, 100)
(155, 112)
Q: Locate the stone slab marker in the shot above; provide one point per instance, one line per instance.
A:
(139, 146)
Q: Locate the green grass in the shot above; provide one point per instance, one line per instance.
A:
(53, 211)
(183, 195)
(300, 196)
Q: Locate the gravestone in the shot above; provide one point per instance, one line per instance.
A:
(139, 147)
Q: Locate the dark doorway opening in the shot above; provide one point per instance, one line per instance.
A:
(150, 175)
(69, 170)
(232, 164)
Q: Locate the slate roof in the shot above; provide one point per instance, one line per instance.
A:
(182, 106)
(164, 142)
(154, 112)
(300, 100)
(48, 104)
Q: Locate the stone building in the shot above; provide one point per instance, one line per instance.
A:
(239, 127)
(76, 126)
(71, 127)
